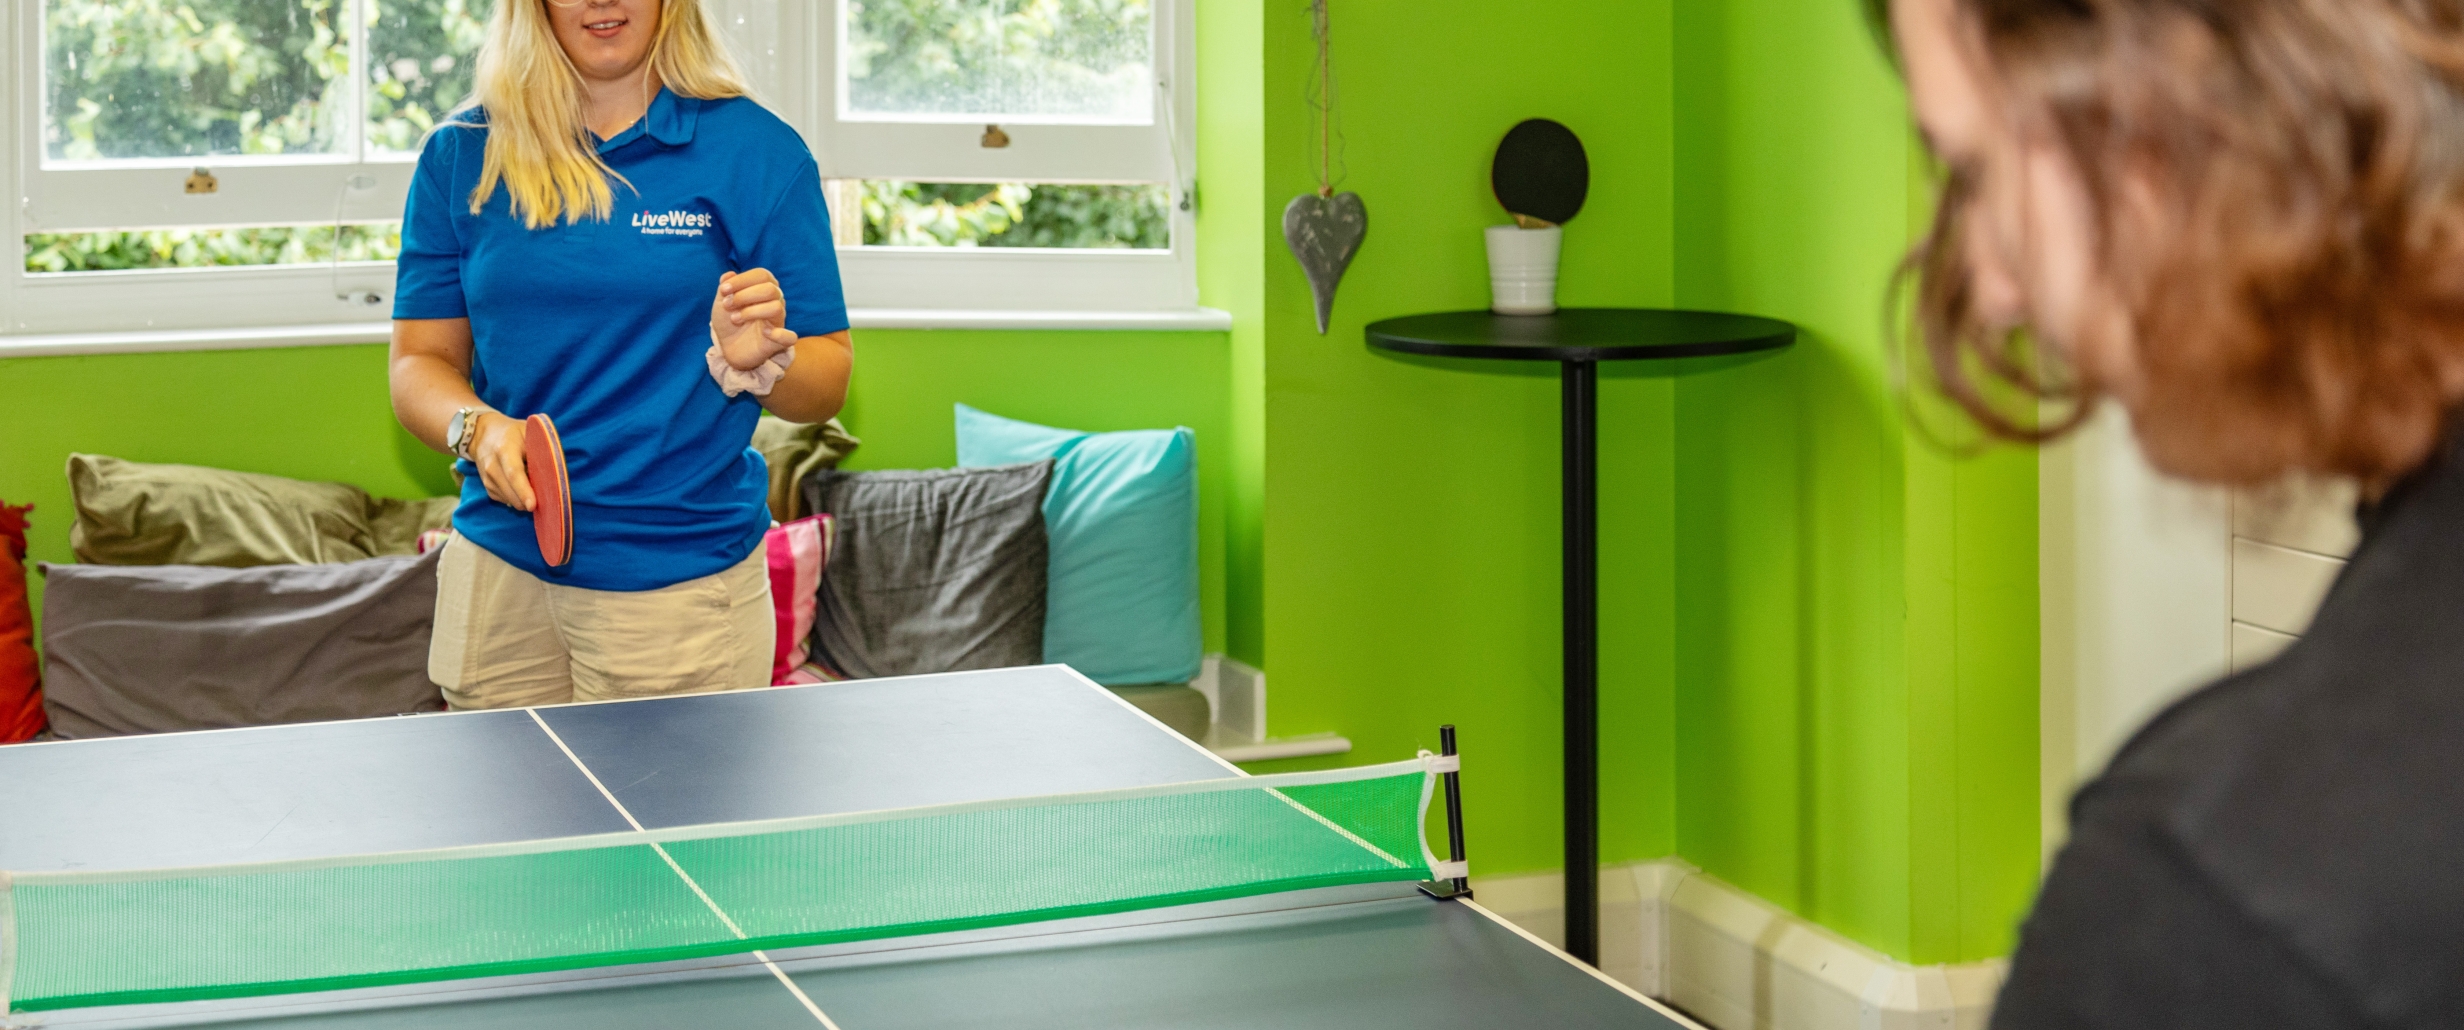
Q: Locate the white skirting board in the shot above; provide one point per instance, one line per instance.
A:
(1737, 962)
(1236, 695)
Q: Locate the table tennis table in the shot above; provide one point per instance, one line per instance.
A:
(1372, 955)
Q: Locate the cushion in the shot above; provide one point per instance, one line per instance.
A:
(797, 553)
(21, 679)
(134, 513)
(185, 647)
(1123, 517)
(931, 571)
(795, 451)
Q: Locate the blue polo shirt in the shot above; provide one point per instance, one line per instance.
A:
(603, 327)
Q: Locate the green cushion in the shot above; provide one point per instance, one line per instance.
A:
(796, 450)
(135, 513)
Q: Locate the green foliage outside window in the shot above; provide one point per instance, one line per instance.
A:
(1014, 214)
(181, 79)
(201, 248)
(206, 78)
(421, 58)
(1001, 57)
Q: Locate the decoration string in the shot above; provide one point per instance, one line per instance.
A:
(1322, 99)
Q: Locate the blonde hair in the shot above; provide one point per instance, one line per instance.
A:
(539, 146)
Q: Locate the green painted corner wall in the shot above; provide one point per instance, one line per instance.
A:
(321, 413)
(1857, 646)
(1232, 257)
(1818, 632)
(1412, 547)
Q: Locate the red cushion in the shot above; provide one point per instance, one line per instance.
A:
(21, 680)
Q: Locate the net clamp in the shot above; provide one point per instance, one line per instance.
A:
(1449, 879)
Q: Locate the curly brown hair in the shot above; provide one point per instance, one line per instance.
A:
(2291, 266)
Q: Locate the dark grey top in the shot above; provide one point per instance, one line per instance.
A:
(1372, 956)
(2283, 849)
(1582, 334)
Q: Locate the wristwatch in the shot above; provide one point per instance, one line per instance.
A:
(460, 431)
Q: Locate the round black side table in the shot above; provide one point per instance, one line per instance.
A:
(1578, 339)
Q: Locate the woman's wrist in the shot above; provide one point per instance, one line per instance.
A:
(758, 380)
(462, 430)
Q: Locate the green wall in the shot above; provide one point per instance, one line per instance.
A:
(321, 413)
(1857, 647)
(317, 413)
(1232, 256)
(1412, 546)
(1818, 632)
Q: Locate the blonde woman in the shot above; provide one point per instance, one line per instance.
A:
(614, 235)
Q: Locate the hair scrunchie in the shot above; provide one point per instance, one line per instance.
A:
(757, 380)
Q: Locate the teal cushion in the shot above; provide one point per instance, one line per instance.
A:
(1121, 599)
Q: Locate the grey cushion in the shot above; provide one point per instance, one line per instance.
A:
(932, 571)
(148, 649)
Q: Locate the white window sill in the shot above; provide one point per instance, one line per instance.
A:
(57, 344)
(1189, 320)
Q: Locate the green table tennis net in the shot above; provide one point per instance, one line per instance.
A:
(72, 939)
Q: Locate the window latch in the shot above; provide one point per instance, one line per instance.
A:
(994, 138)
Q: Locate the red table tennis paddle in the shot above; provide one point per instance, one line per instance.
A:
(551, 513)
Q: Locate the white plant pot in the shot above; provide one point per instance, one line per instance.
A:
(1523, 269)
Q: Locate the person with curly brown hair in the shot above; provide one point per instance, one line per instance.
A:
(2243, 220)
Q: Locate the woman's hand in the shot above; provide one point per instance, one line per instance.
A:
(497, 451)
(749, 318)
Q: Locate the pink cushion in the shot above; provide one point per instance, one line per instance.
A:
(798, 551)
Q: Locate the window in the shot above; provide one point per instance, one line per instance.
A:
(1028, 149)
(182, 160)
(202, 163)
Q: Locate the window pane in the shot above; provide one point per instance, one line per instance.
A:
(1070, 59)
(203, 248)
(420, 57)
(1012, 214)
(192, 78)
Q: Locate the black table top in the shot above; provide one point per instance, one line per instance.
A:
(1582, 334)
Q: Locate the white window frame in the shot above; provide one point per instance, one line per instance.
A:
(251, 190)
(949, 149)
(789, 48)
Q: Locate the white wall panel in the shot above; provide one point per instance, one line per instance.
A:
(2136, 573)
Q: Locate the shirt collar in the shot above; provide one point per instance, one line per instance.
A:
(670, 121)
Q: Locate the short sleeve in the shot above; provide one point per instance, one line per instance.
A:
(428, 273)
(795, 244)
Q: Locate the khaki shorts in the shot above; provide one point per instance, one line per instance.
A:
(505, 639)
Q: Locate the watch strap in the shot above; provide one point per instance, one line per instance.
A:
(463, 431)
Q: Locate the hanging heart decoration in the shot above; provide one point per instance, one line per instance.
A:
(1324, 233)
